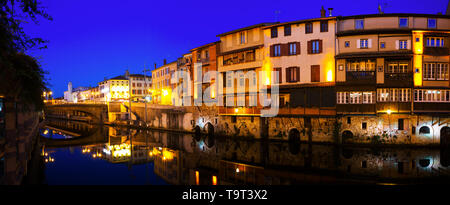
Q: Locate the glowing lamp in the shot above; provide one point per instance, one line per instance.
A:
(237, 169)
(389, 111)
(236, 110)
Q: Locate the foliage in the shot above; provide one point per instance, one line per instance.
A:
(21, 76)
(384, 138)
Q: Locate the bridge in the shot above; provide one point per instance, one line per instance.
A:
(83, 134)
(92, 113)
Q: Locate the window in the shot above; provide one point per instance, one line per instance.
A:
(366, 97)
(347, 44)
(403, 44)
(293, 48)
(292, 74)
(315, 73)
(315, 46)
(242, 38)
(359, 24)
(368, 65)
(363, 43)
(349, 120)
(422, 95)
(308, 28)
(403, 22)
(435, 42)
(382, 45)
(364, 125)
(277, 50)
(435, 71)
(274, 32)
(287, 30)
(400, 124)
(279, 74)
(324, 26)
(206, 54)
(396, 67)
(431, 23)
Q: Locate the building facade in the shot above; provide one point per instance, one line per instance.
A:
(392, 77)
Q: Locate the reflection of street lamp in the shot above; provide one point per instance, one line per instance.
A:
(389, 118)
(146, 95)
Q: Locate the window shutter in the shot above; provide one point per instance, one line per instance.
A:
(298, 47)
(280, 75)
(369, 43)
(315, 73)
(288, 74)
(397, 44)
(309, 47)
(409, 44)
(271, 50)
(298, 74)
(358, 43)
(320, 46)
(284, 49)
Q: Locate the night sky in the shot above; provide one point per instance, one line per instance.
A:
(90, 40)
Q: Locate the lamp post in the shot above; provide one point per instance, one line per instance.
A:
(389, 118)
(146, 95)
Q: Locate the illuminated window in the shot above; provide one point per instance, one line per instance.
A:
(435, 71)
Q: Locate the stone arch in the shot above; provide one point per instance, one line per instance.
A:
(294, 141)
(346, 135)
(209, 128)
(197, 133)
(424, 130)
(445, 136)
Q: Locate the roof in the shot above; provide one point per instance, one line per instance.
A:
(206, 45)
(299, 21)
(120, 77)
(394, 14)
(248, 28)
(140, 75)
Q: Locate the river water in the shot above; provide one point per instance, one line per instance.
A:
(76, 153)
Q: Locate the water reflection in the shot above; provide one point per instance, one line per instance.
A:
(126, 156)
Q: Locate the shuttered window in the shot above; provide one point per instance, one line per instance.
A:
(292, 74)
(315, 73)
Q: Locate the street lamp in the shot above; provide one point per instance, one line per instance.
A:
(146, 95)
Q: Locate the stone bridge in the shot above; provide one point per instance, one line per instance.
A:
(82, 134)
(92, 113)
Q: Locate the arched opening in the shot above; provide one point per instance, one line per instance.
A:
(445, 136)
(424, 163)
(209, 129)
(197, 133)
(346, 135)
(347, 153)
(294, 141)
(424, 130)
(210, 139)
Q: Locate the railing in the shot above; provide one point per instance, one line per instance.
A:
(398, 76)
(361, 76)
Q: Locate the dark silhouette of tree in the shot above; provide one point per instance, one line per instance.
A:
(22, 79)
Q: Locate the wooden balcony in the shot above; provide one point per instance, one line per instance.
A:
(398, 79)
(360, 77)
(285, 111)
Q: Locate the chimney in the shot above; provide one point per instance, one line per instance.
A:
(329, 12)
(155, 65)
(127, 74)
(323, 13)
(164, 62)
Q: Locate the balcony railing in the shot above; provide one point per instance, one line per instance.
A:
(361, 76)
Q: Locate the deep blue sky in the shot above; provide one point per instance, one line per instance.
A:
(90, 40)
